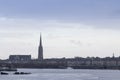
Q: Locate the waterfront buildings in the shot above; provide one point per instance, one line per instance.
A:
(20, 57)
(25, 61)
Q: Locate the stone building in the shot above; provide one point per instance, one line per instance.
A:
(20, 58)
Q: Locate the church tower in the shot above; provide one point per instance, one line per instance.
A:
(40, 50)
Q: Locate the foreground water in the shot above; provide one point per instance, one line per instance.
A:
(64, 74)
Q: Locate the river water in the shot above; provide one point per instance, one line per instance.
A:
(64, 74)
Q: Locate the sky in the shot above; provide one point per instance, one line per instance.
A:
(69, 28)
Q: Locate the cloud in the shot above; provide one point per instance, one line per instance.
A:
(78, 43)
(34, 24)
(46, 25)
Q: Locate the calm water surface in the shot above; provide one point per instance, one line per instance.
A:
(64, 74)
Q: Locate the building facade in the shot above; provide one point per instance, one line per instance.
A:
(20, 57)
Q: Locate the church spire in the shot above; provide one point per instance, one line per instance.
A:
(40, 40)
(40, 49)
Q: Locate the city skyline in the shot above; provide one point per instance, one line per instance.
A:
(69, 28)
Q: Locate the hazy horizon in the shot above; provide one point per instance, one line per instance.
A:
(69, 28)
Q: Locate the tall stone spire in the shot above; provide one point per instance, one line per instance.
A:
(40, 50)
(40, 40)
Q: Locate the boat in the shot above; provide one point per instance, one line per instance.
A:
(21, 73)
(3, 73)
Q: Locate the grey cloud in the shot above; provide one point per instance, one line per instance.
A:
(78, 43)
(10, 24)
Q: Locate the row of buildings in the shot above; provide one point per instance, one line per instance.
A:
(25, 61)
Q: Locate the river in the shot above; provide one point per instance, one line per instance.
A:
(64, 74)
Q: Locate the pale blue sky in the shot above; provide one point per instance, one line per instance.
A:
(63, 9)
(69, 27)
